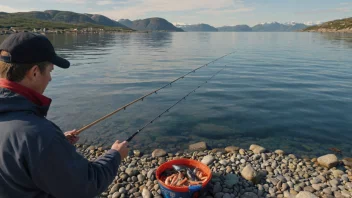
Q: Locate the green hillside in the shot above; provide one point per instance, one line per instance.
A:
(151, 24)
(341, 25)
(58, 20)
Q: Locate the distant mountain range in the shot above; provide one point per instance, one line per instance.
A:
(236, 28)
(150, 24)
(198, 28)
(55, 19)
(264, 27)
(278, 27)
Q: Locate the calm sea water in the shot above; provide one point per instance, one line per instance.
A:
(290, 91)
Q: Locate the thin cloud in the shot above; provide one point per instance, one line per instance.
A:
(8, 9)
(227, 11)
(141, 9)
(319, 11)
(71, 1)
(104, 2)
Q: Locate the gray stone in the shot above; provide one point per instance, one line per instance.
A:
(315, 181)
(345, 177)
(116, 195)
(243, 161)
(345, 193)
(146, 193)
(274, 165)
(219, 195)
(115, 188)
(122, 190)
(347, 162)
(156, 187)
(233, 158)
(292, 156)
(231, 180)
(227, 195)
(349, 185)
(159, 153)
(337, 173)
(232, 149)
(338, 195)
(287, 194)
(322, 178)
(284, 187)
(217, 188)
(137, 153)
(305, 194)
(297, 188)
(256, 157)
(242, 151)
(257, 149)
(280, 152)
(317, 187)
(328, 161)
(334, 182)
(131, 172)
(141, 178)
(269, 169)
(134, 179)
(274, 181)
(198, 146)
(207, 160)
(150, 173)
(264, 156)
(272, 191)
(124, 176)
(327, 191)
(281, 178)
(250, 174)
(309, 189)
(223, 162)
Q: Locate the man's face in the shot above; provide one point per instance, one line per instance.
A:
(43, 79)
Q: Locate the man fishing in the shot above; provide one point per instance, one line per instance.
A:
(36, 158)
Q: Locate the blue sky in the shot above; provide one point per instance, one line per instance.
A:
(213, 12)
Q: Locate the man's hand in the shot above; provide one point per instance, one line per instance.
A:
(71, 137)
(121, 147)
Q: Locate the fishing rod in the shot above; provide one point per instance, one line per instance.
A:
(145, 96)
(168, 109)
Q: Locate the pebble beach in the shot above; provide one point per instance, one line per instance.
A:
(236, 172)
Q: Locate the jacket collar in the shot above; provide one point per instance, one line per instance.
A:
(28, 93)
(15, 97)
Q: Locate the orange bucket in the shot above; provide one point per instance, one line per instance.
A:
(182, 192)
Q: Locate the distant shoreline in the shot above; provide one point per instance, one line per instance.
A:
(325, 30)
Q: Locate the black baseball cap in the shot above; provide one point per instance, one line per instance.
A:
(28, 48)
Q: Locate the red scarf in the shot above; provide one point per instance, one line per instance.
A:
(28, 93)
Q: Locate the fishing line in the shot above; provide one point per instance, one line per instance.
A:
(168, 109)
(142, 98)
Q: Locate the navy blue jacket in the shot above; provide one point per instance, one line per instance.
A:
(37, 161)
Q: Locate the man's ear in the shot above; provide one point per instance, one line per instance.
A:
(33, 73)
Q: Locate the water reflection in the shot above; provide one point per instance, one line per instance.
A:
(156, 40)
(340, 39)
(289, 91)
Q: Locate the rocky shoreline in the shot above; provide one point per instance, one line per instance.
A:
(326, 30)
(237, 172)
